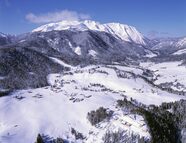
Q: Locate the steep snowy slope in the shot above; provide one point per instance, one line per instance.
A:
(121, 31)
(2, 34)
(181, 42)
(181, 46)
(4, 39)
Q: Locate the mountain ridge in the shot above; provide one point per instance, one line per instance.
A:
(121, 31)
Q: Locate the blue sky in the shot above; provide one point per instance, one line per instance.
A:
(151, 17)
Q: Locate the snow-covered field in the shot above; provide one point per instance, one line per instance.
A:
(55, 109)
(169, 72)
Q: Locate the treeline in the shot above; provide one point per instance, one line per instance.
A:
(25, 68)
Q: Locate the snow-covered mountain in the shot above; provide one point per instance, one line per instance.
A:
(170, 46)
(2, 34)
(4, 39)
(181, 42)
(97, 45)
(121, 31)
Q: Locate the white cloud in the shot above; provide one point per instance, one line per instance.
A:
(56, 16)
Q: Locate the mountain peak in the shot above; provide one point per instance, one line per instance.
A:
(3, 35)
(120, 31)
(181, 42)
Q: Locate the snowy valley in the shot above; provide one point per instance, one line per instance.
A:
(88, 82)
